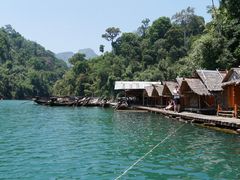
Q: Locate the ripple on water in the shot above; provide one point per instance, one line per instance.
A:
(38, 142)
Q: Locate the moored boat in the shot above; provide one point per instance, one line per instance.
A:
(65, 101)
(53, 102)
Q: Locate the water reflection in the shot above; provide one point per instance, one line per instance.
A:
(95, 143)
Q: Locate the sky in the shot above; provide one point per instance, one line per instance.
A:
(70, 25)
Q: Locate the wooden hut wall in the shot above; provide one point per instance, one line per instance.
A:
(193, 100)
(166, 100)
(218, 98)
(224, 103)
(207, 102)
(231, 89)
(153, 100)
(154, 93)
(237, 95)
(190, 100)
(229, 94)
(159, 90)
(156, 98)
(167, 96)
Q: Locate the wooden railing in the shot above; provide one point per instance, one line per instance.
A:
(226, 112)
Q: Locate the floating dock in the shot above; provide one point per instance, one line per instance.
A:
(208, 120)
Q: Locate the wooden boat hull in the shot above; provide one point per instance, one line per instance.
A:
(50, 103)
(82, 102)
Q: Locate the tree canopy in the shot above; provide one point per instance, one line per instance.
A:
(151, 53)
(159, 51)
(165, 49)
(26, 68)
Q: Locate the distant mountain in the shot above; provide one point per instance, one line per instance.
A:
(88, 52)
(65, 56)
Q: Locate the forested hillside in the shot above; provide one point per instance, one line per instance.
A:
(26, 68)
(159, 50)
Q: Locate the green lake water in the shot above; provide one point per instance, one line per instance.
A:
(38, 142)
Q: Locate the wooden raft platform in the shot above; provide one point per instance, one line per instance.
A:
(225, 122)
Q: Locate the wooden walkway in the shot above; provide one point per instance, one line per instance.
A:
(231, 123)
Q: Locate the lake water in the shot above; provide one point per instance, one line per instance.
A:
(38, 142)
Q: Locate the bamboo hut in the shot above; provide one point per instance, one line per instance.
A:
(134, 89)
(167, 92)
(153, 95)
(196, 97)
(212, 79)
(231, 94)
(159, 89)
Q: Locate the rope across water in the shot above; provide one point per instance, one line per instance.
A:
(141, 158)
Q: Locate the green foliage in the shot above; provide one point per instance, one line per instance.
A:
(143, 28)
(101, 48)
(128, 45)
(232, 6)
(111, 33)
(157, 52)
(189, 23)
(159, 28)
(76, 58)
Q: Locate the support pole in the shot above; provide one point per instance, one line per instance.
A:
(235, 110)
(143, 98)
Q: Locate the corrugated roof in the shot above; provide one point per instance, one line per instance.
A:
(211, 78)
(195, 85)
(127, 85)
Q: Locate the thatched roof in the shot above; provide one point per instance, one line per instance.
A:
(233, 82)
(159, 89)
(154, 90)
(212, 79)
(129, 85)
(232, 77)
(168, 88)
(149, 90)
(195, 85)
